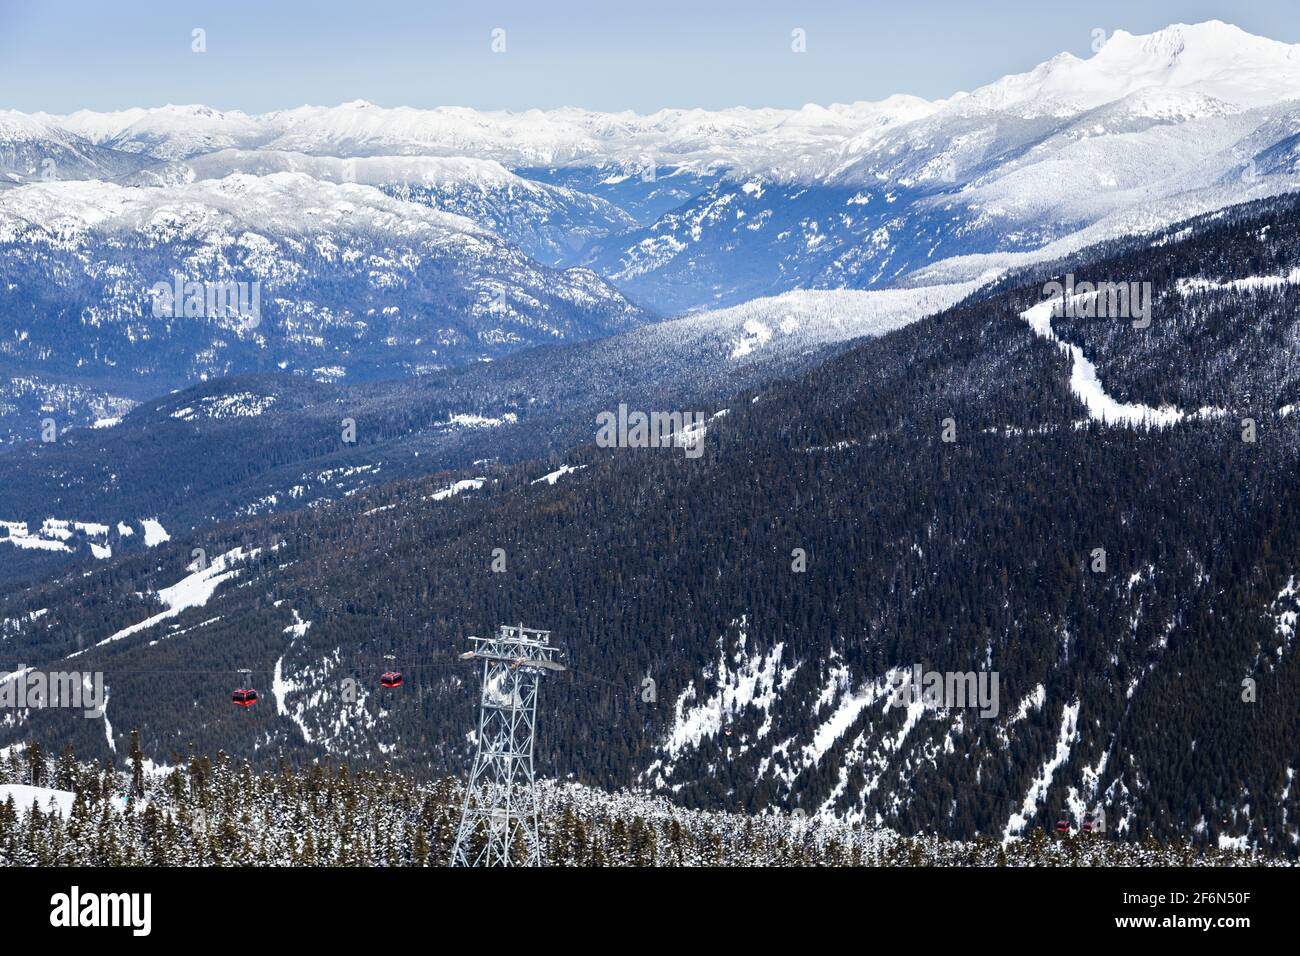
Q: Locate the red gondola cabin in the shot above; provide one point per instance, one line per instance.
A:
(244, 697)
(391, 679)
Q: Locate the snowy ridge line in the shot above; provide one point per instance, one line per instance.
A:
(437, 139)
(65, 212)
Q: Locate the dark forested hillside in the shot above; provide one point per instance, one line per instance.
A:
(246, 445)
(940, 496)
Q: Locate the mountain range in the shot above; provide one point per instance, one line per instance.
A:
(679, 210)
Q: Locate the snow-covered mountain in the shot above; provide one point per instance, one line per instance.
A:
(65, 213)
(1214, 59)
(35, 149)
(679, 209)
(345, 283)
(396, 252)
(549, 223)
(828, 542)
(166, 132)
(1149, 130)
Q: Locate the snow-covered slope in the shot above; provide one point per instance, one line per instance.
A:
(220, 211)
(208, 462)
(786, 324)
(46, 798)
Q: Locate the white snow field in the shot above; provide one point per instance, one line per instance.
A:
(47, 799)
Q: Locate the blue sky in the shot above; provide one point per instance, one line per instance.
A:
(621, 54)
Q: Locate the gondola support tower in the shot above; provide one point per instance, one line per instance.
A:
(501, 793)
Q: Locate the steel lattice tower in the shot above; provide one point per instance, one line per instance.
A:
(500, 795)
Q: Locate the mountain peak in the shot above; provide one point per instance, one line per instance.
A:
(1174, 38)
(1213, 58)
(1210, 40)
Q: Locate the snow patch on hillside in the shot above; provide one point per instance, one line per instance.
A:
(154, 533)
(845, 713)
(552, 477)
(57, 534)
(482, 421)
(1248, 284)
(465, 484)
(18, 535)
(741, 683)
(1285, 610)
(193, 590)
(1042, 781)
(282, 687)
(238, 405)
(810, 317)
(13, 625)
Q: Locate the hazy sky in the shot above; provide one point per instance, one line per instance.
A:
(619, 54)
